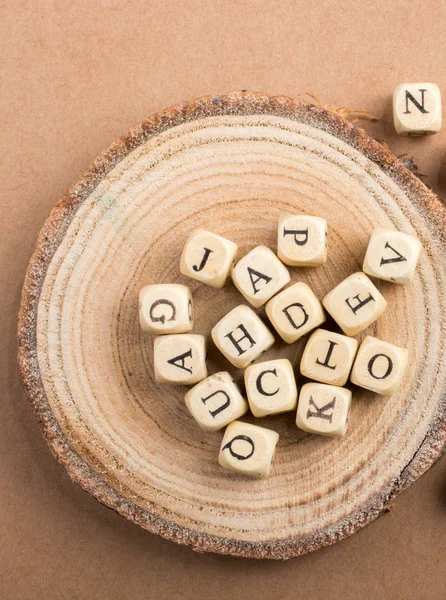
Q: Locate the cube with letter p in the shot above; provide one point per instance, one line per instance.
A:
(302, 240)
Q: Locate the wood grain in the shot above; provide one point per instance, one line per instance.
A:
(231, 164)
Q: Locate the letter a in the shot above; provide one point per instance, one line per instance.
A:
(259, 276)
(180, 361)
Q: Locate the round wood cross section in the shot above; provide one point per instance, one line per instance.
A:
(232, 165)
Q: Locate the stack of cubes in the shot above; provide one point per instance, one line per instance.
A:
(329, 359)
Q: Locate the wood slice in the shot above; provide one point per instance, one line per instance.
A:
(230, 164)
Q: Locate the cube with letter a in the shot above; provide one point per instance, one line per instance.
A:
(180, 359)
(259, 275)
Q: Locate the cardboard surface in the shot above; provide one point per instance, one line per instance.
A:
(75, 76)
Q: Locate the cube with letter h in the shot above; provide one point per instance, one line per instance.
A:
(215, 402)
(302, 240)
(417, 109)
(241, 336)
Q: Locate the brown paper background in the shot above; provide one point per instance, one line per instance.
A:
(75, 76)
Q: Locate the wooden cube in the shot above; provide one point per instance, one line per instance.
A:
(216, 401)
(328, 357)
(379, 366)
(392, 256)
(323, 409)
(355, 303)
(248, 449)
(271, 387)
(294, 312)
(241, 336)
(166, 308)
(208, 257)
(417, 109)
(259, 275)
(180, 359)
(302, 240)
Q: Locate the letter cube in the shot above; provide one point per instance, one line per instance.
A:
(216, 401)
(241, 336)
(248, 449)
(259, 275)
(392, 256)
(208, 257)
(180, 359)
(302, 240)
(271, 387)
(323, 409)
(294, 312)
(166, 308)
(328, 357)
(379, 366)
(417, 108)
(355, 303)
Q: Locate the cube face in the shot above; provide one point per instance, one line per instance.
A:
(355, 303)
(392, 256)
(302, 240)
(216, 401)
(248, 449)
(328, 357)
(379, 366)
(259, 275)
(208, 257)
(417, 109)
(241, 336)
(180, 359)
(294, 312)
(271, 387)
(323, 409)
(166, 309)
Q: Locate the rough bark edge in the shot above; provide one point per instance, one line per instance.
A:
(51, 235)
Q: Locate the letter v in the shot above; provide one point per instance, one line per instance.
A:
(399, 257)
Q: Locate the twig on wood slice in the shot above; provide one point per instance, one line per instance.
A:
(349, 114)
